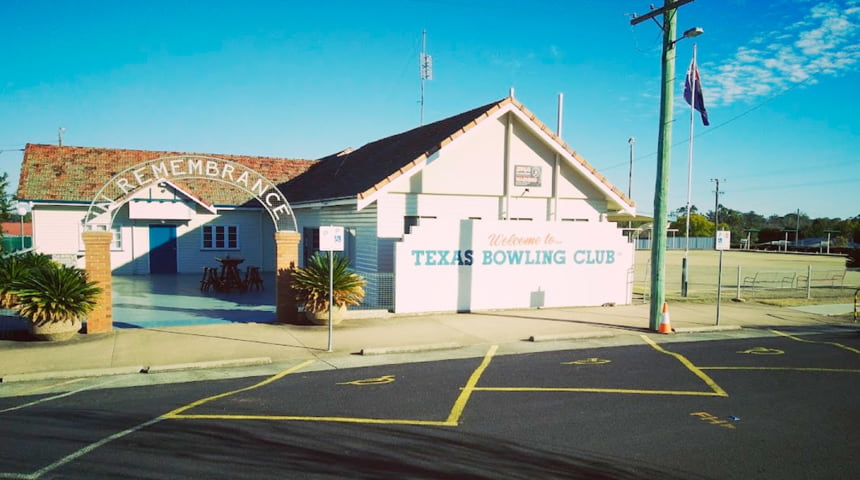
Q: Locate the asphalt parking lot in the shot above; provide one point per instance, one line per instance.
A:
(789, 397)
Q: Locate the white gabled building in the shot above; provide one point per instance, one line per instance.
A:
(485, 209)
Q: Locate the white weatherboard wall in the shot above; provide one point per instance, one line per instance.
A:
(479, 264)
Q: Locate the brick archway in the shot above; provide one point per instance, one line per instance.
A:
(122, 187)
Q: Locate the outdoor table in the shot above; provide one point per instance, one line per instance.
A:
(230, 277)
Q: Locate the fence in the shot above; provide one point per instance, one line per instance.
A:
(379, 291)
(11, 244)
(679, 243)
(753, 275)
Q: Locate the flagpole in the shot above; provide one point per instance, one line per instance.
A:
(684, 271)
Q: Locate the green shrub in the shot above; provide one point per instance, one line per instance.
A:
(54, 293)
(311, 283)
(15, 268)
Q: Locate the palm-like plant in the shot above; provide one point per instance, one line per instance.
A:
(55, 293)
(15, 268)
(311, 283)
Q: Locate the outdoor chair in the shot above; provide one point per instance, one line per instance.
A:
(210, 279)
(253, 280)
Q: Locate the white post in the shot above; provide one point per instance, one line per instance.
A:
(739, 283)
(690, 155)
(331, 240)
(719, 286)
(330, 298)
(685, 266)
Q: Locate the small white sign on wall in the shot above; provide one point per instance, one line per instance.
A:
(331, 239)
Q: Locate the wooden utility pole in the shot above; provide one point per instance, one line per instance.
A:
(664, 149)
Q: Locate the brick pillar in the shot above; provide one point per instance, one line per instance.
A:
(286, 255)
(97, 257)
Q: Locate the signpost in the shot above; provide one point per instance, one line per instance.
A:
(723, 242)
(331, 240)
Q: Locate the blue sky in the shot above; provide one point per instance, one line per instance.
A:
(306, 79)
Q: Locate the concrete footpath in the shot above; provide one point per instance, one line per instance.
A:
(399, 337)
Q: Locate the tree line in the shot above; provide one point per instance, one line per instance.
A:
(763, 231)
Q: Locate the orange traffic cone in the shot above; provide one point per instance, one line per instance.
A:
(665, 324)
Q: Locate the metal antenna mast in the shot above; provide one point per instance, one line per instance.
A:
(425, 65)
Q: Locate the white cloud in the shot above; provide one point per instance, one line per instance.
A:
(825, 42)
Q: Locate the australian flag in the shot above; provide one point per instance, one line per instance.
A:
(694, 84)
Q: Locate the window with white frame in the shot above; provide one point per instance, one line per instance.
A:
(116, 242)
(220, 237)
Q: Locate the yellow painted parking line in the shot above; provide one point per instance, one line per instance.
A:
(696, 371)
(451, 421)
(788, 369)
(839, 345)
(716, 391)
(601, 390)
(463, 399)
(305, 418)
(176, 413)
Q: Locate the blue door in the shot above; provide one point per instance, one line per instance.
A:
(162, 249)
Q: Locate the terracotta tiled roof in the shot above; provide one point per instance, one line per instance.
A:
(75, 174)
(362, 172)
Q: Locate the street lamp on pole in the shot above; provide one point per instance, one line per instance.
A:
(22, 209)
(691, 33)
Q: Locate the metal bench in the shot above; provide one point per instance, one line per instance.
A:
(771, 279)
(823, 278)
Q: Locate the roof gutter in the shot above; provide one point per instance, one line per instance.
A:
(329, 202)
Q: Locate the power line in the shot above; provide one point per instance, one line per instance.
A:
(759, 188)
(719, 125)
(789, 171)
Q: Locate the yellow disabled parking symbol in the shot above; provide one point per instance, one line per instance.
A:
(763, 351)
(588, 361)
(371, 381)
